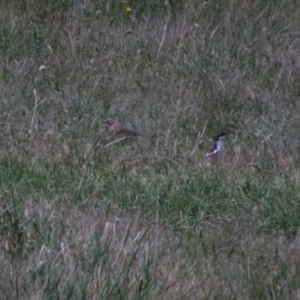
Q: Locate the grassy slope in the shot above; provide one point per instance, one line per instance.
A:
(148, 217)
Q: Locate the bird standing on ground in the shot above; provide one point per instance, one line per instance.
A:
(218, 150)
(118, 128)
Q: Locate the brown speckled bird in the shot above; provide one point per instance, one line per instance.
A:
(118, 128)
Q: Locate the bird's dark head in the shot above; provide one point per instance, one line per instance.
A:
(221, 135)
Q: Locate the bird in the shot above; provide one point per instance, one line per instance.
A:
(118, 128)
(218, 150)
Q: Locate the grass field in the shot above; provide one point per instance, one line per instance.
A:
(88, 214)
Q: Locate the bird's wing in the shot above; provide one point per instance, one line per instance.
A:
(125, 129)
(213, 151)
